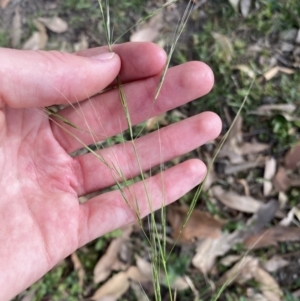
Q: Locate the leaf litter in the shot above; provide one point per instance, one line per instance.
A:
(150, 31)
(55, 24)
(200, 225)
(109, 260)
(248, 268)
(38, 39)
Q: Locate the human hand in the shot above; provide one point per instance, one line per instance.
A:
(41, 220)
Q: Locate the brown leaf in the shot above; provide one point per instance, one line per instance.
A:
(82, 44)
(286, 70)
(241, 272)
(150, 31)
(275, 263)
(234, 168)
(16, 32)
(238, 202)
(268, 110)
(248, 268)
(253, 148)
(270, 237)
(252, 295)
(229, 260)
(271, 73)
(79, 268)
(270, 170)
(144, 274)
(115, 287)
(38, 39)
(210, 179)
(138, 291)
(292, 157)
(268, 285)
(106, 263)
(209, 249)
(281, 180)
(4, 3)
(55, 24)
(231, 147)
(200, 224)
(287, 221)
(211, 176)
(138, 275)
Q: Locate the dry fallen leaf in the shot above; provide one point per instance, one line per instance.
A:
(292, 157)
(16, 31)
(134, 273)
(192, 287)
(248, 268)
(281, 180)
(79, 268)
(270, 237)
(268, 285)
(270, 170)
(154, 122)
(229, 260)
(273, 108)
(145, 274)
(231, 147)
(262, 217)
(39, 38)
(55, 24)
(287, 221)
(107, 262)
(150, 31)
(114, 288)
(138, 291)
(209, 249)
(245, 7)
(245, 69)
(4, 3)
(235, 4)
(253, 148)
(252, 295)
(271, 73)
(234, 201)
(200, 224)
(296, 294)
(286, 70)
(241, 272)
(234, 168)
(82, 44)
(225, 46)
(275, 263)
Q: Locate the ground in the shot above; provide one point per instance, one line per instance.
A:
(249, 205)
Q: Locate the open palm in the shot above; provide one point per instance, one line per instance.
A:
(41, 220)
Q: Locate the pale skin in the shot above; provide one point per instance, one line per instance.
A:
(41, 220)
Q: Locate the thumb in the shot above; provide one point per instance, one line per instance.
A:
(41, 78)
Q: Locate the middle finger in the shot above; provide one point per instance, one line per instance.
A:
(103, 115)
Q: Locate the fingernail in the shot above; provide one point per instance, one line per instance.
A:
(104, 56)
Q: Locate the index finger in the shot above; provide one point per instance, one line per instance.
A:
(139, 60)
